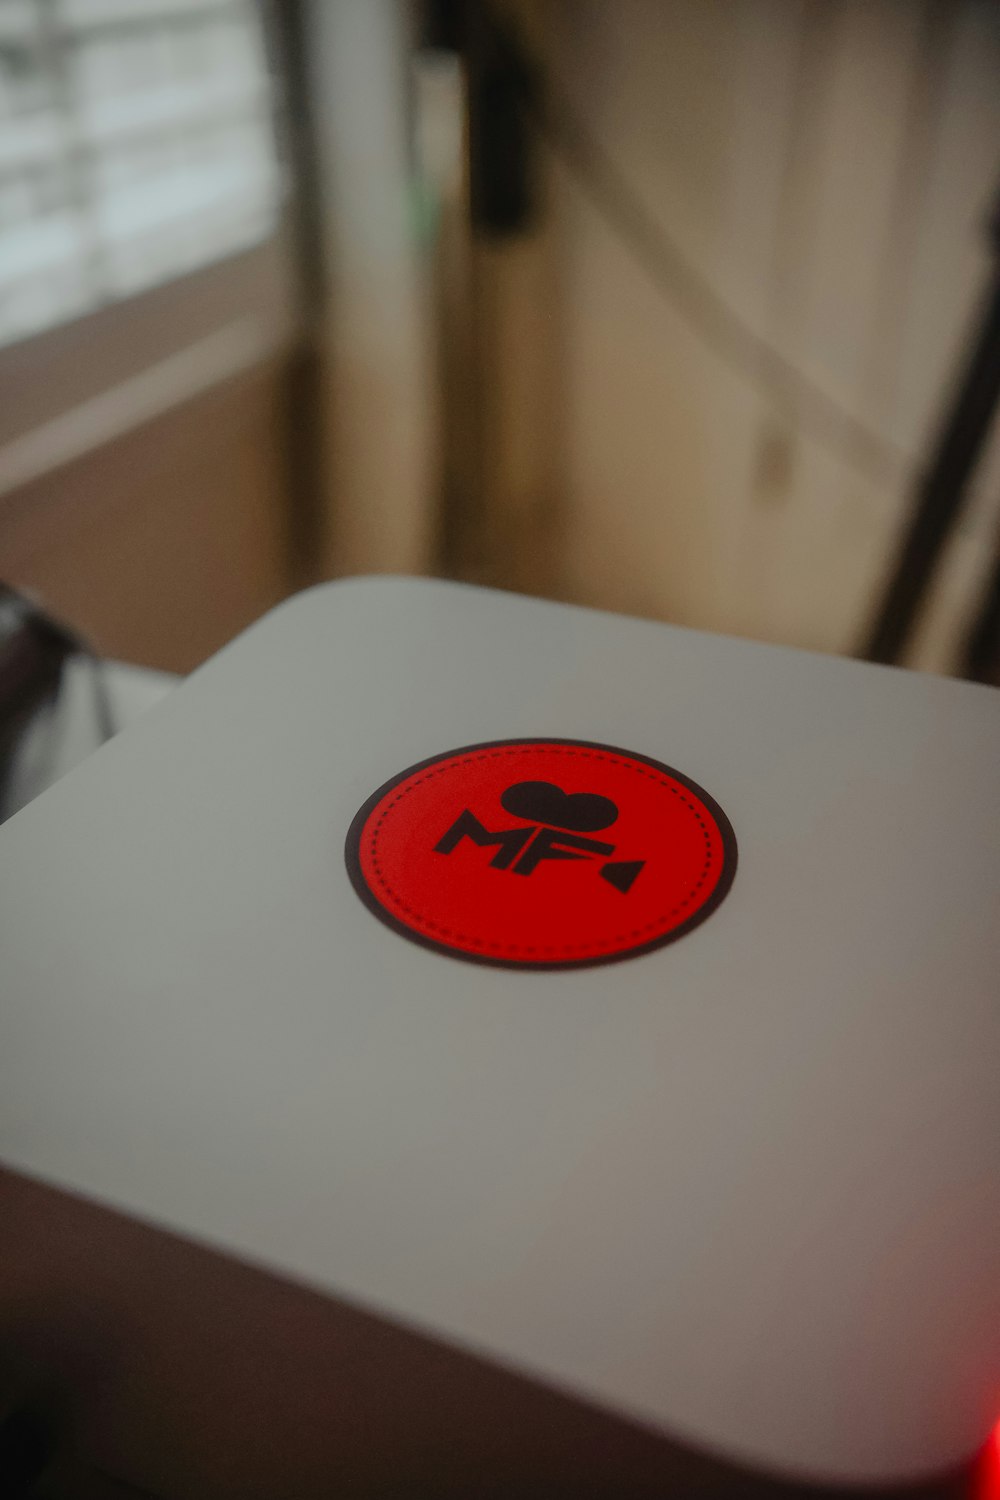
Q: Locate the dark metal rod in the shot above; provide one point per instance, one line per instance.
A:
(980, 657)
(941, 490)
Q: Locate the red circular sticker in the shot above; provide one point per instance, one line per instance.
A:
(541, 854)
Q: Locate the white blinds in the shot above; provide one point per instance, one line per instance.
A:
(136, 143)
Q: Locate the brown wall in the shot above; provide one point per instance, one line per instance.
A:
(144, 465)
(162, 545)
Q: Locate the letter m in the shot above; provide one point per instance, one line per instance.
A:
(510, 840)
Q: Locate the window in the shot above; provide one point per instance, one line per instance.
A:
(136, 144)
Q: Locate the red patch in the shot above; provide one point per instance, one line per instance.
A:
(541, 853)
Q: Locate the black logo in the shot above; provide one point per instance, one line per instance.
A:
(553, 823)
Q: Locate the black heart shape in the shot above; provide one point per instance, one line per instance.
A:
(542, 802)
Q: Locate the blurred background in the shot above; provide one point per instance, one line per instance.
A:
(685, 308)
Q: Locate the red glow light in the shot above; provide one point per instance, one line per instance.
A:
(988, 1469)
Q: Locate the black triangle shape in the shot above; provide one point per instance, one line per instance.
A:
(621, 873)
